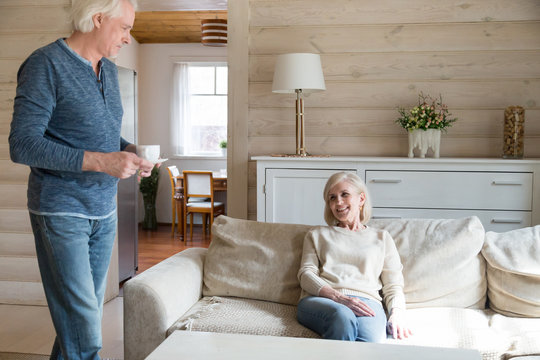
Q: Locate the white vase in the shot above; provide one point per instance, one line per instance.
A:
(423, 140)
(224, 152)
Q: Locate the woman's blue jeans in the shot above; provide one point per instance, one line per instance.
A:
(73, 256)
(335, 321)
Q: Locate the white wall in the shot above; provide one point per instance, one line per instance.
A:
(155, 68)
(129, 56)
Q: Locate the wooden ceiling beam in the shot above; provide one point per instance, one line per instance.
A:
(171, 26)
(210, 14)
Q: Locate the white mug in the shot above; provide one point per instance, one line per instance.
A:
(148, 152)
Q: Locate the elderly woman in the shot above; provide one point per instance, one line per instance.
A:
(344, 267)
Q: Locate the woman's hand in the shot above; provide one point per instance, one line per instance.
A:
(358, 307)
(397, 324)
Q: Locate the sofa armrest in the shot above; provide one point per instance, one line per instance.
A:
(156, 298)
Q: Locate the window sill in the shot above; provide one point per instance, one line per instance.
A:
(197, 157)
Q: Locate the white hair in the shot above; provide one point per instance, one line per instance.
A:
(82, 12)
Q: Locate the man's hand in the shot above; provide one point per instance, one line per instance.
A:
(145, 167)
(121, 164)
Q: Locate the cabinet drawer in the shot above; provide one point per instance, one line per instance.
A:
(499, 221)
(451, 190)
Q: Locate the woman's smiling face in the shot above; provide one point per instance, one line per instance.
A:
(345, 203)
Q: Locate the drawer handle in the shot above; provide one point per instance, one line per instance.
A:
(512, 183)
(506, 221)
(386, 181)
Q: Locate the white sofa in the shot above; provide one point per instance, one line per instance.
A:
(464, 287)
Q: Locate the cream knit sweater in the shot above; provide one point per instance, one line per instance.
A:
(354, 263)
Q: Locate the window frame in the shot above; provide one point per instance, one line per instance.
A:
(214, 65)
(213, 61)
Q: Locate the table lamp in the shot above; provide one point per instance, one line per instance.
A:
(298, 73)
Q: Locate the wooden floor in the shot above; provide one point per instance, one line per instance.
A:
(157, 245)
(29, 329)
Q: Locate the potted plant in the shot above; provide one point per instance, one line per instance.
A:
(223, 147)
(148, 187)
(424, 124)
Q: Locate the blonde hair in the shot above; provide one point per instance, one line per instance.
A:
(82, 12)
(359, 186)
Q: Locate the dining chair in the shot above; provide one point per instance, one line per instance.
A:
(173, 173)
(199, 185)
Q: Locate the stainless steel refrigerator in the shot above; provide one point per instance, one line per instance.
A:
(128, 189)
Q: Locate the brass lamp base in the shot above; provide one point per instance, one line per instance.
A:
(300, 128)
(300, 131)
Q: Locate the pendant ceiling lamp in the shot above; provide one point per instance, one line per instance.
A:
(214, 32)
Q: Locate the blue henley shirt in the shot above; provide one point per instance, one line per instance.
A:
(61, 110)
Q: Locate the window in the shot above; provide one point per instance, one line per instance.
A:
(204, 123)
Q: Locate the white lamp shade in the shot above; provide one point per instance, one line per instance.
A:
(298, 71)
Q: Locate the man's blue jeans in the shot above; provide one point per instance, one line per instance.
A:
(335, 321)
(73, 256)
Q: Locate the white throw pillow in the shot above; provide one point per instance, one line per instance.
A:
(442, 263)
(513, 271)
(254, 260)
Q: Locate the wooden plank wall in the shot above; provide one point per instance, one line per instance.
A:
(237, 127)
(480, 55)
(25, 25)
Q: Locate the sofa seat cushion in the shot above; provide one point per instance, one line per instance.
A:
(242, 316)
(522, 333)
(442, 261)
(254, 260)
(455, 328)
(513, 271)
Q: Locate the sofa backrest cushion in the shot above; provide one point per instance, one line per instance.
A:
(442, 261)
(513, 271)
(254, 260)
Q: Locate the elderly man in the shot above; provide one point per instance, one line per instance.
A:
(66, 127)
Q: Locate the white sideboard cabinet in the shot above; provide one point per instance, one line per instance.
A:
(503, 193)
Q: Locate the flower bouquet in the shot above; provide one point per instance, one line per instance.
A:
(428, 114)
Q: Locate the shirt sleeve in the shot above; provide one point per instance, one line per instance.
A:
(392, 276)
(124, 144)
(34, 105)
(308, 275)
